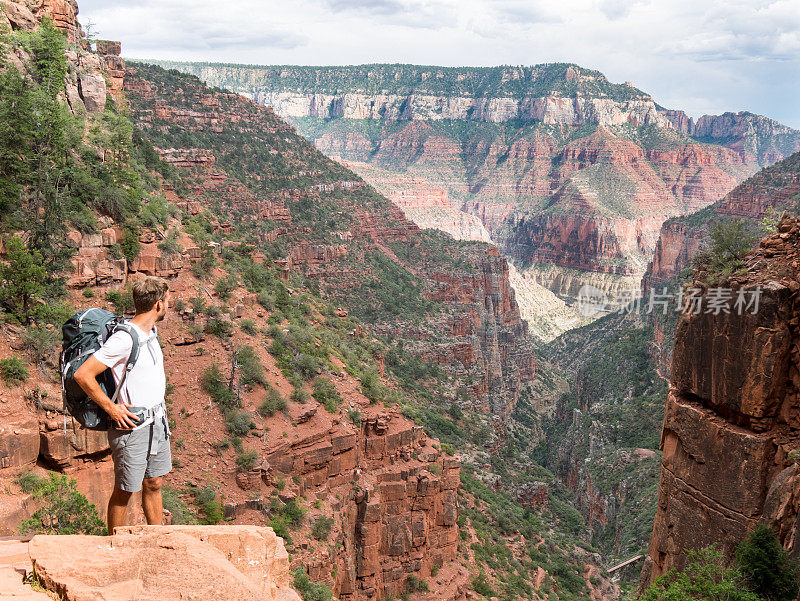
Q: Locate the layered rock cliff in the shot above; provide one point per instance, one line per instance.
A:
(731, 419)
(768, 192)
(552, 93)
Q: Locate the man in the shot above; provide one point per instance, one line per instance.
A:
(139, 440)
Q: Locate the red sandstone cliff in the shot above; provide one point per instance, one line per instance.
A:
(733, 414)
(773, 189)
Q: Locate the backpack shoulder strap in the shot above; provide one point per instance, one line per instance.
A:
(126, 327)
(131, 358)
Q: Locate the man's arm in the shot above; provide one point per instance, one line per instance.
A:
(86, 377)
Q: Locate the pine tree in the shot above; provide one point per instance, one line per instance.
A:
(767, 568)
(23, 279)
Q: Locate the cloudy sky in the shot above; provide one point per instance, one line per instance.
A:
(702, 56)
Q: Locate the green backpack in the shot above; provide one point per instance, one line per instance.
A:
(82, 335)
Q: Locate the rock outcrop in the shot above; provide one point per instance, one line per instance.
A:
(165, 562)
(399, 514)
(733, 413)
(91, 75)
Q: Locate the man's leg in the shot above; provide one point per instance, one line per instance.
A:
(151, 501)
(118, 509)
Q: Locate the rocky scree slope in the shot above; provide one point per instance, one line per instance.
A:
(569, 174)
(729, 438)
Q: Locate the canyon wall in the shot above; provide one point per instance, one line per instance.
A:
(731, 420)
(559, 167)
(475, 331)
(409, 92)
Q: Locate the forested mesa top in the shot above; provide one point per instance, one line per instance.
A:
(565, 79)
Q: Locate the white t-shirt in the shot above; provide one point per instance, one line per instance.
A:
(146, 383)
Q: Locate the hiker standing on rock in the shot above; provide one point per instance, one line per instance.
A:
(139, 438)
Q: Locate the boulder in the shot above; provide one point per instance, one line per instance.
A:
(18, 16)
(166, 562)
(62, 446)
(92, 85)
(19, 443)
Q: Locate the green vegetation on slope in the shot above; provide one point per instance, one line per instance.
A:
(603, 434)
(762, 571)
(60, 171)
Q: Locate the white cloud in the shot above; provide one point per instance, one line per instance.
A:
(701, 56)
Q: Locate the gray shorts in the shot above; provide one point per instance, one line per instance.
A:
(132, 463)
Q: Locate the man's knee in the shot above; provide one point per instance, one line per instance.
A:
(151, 485)
(120, 497)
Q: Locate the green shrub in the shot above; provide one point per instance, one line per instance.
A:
(310, 591)
(206, 500)
(199, 305)
(248, 327)
(221, 328)
(766, 566)
(480, 584)
(291, 513)
(224, 286)
(239, 423)
(130, 245)
(371, 387)
(199, 271)
(273, 403)
(267, 300)
(13, 371)
(247, 460)
(731, 241)
(28, 482)
(213, 383)
(42, 343)
(278, 524)
(173, 503)
(415, 584)
(325, 394)
(64, 509)
(122, 300)
(355, 416)
(251, 371)
(705, 579)
(321, 528)
(299, 394)
(88, 293)
(170, 245)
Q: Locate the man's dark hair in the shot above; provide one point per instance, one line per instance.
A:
(147, 291)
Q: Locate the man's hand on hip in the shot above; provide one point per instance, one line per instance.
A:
(122, 417)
